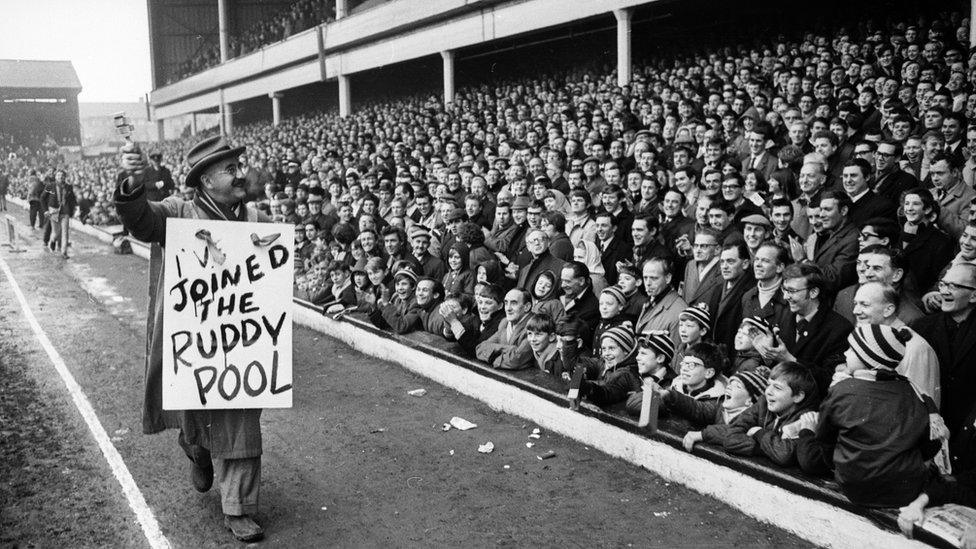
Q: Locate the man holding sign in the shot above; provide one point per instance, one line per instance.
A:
(219, 349)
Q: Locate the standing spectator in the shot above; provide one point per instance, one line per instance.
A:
(4, 187)
(35, 211)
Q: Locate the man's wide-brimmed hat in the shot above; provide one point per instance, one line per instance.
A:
(205, 153)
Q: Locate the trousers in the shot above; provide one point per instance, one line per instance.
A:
(238, 480)
(35, 214)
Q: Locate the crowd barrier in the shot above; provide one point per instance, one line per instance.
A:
(809, 507)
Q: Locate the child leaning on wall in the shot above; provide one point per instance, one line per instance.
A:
(874, 431)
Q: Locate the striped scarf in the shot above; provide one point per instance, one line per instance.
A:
(218, 211)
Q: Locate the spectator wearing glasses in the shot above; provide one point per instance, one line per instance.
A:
(812, 333)
(952, 333)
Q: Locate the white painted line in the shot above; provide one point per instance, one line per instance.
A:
(135, 498)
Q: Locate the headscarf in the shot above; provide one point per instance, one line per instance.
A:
(592, 259)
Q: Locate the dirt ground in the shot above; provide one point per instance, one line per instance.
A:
(356, 463)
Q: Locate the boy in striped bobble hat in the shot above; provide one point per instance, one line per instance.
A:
(612, 303)
(609, 379)
(693, 323)
(874, 431)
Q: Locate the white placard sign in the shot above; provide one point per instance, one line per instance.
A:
(227, 315)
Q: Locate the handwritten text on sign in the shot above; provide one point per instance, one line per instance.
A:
(227, 318)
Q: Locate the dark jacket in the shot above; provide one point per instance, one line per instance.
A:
(874, 434)
(61, 199)
(820, 346)
(561, 247)
(926, 253)
(528, 273)
(705, 415)
(601, 386)
(726, 310)
(837, 255)
(618, 249)
(871, 206)
(891, 186)
(956, 348)
(775, 311)
(768, 441)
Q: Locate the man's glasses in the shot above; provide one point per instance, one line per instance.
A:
(952, 286)
(864, 235)
(793, 291)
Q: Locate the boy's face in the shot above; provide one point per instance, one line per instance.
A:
(627, 283)
(404, 288)
(647, 360)
(609, 307)
(689, 331)
(610, 352)
(736, 395)
(743, 339)
(538, 341)
(694, 374)
(780, 399)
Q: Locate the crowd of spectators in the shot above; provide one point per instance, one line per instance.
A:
(299, 16)
(776, 243)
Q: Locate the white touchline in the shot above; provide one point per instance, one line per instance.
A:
(136, 501)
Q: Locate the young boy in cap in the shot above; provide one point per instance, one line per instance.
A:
(654, 353)
(693, 323)
(712, 417)
(791, 392)
(612, 302)
(874, 430)
(608, 380)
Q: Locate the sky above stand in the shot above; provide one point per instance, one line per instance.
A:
(107, 41)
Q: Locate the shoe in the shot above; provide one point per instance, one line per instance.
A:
(201, 477)
(65, 255)
(244, 528)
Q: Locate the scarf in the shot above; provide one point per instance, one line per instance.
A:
(217, 211)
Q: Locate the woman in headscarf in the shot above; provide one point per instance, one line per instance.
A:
(556, 201)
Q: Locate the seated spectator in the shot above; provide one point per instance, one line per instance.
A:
(554, 225)
(613, 247)
(507, 348)
(766, 299)
(388, 314)
(759, 431)
(873, 430)
(342, 294)
(710, 419)
(430, 266)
